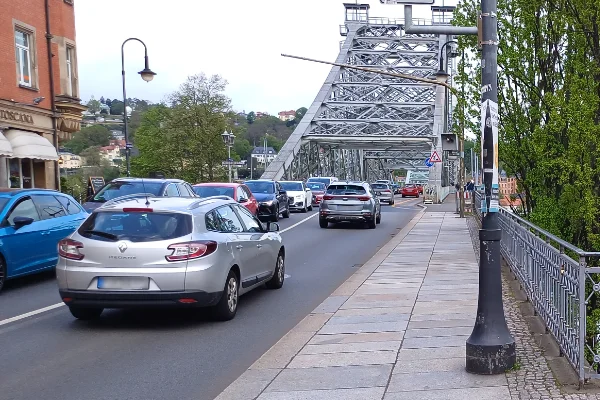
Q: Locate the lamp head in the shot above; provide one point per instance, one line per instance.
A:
(147, 74)
(441, 76)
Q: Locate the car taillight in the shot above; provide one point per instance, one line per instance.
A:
(327, 197)
(191, 250)
(388, 191)
(364, 198)
(69, 248)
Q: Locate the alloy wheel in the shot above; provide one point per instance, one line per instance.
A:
(232, 294)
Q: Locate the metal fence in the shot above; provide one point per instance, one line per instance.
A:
(560, 282)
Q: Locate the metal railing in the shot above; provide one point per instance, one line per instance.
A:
(560, 281)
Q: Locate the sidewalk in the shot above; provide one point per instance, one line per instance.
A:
(395, 330)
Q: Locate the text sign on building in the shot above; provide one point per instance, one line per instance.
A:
(16, 116)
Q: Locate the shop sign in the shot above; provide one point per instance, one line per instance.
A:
(16, 116)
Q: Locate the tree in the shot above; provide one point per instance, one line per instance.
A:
(102, 101)
(93, 105)
(116, 107)
(92, 157)
(108, 102)
(184, 140)
(251, 117)
(95, 135)
(300, 114)
(242, 148)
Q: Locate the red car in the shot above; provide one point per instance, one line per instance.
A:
(237, 191)
(318, 191)
(410, 190)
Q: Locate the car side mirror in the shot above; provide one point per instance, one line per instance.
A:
(20, 222)
(243, 201)
(272, 227)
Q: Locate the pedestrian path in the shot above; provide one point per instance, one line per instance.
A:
(395, 330)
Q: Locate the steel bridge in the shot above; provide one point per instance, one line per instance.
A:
(363, 125)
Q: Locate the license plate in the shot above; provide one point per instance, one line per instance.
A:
(346, 208)
(378, 193)
(123, 283)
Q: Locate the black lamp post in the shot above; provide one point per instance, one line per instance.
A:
(147, 75)
(228, 139)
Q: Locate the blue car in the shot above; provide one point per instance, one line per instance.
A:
(32, 222)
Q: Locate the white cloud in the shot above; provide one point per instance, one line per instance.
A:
(240, 40)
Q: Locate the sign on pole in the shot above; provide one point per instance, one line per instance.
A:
(428, 162)
(489, 128)
(435, 157)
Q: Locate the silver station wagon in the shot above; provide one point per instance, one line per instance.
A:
(158, 251)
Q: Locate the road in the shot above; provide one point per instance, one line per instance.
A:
(166, 354)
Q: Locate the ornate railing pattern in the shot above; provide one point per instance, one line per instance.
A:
(553, 274)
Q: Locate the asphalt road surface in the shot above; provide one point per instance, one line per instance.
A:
(166, 354)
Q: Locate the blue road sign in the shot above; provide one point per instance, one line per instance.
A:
(428, 162)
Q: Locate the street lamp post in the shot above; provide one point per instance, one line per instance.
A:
(147, 75)
(491, 348)
(228, 139)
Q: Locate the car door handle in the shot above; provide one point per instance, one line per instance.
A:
(259, 245)
(239, 246)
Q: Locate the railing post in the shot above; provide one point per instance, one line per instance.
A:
(582, 320)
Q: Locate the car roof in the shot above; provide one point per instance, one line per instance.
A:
(348, 182)
(260, 180)
(290, 181)
(5, 192)
(156, 180)
(220, 184)
(179, 204)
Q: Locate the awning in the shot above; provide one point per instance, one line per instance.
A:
(5, 147)
(30, 145)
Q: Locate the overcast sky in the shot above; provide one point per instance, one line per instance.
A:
(237, 39)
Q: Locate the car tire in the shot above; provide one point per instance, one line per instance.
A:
(372, 224)
(310, 207)
(276, 282)
(85, 313)
(3, 272)
(305, 208)
(392, 202)
(378, 218)
(402, 196)
(286, 213)
(226, 308)
(275, 217)
(323, 223)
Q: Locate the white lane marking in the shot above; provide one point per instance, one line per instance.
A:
(30, 314)
(298, 223)
(57, 305)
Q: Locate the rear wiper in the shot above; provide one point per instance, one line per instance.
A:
(103, 234)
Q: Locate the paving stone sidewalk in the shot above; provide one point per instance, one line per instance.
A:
(395, 330)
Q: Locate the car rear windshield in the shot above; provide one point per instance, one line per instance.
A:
(292, 186)
(112, 226)
(379, 186)
(320, 180)
(208, 191)
(346, 190)
(261, 187)
(410, 186)
(118, 189)
(316, 186)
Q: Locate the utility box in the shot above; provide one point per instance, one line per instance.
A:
(449, 142)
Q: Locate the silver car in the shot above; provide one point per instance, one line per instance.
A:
(161, 251)
(384, 192)
(346, 201)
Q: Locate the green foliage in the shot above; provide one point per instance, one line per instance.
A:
(116, 107)
(95, 135)
(251, 117)
(93, 105)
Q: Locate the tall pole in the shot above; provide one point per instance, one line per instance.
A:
(229, 160)
(461, 143)
(126, 134)
(491, 348)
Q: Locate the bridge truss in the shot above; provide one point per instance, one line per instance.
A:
(362, 125)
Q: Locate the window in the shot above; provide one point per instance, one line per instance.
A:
(241, 195)
(70, 71)
(252, 225)
(208, 191)
(228, 220)
(346, 190)
(48, 207)
(261, 187)
(292, 186)
(120, 188)
(136, 226)
(184, 190)
(69, 205)
(212, 221)
(25, 209)
(23, 57)
(172, 191)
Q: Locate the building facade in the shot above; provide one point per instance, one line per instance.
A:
(69, 160)
(287, 115)
(264, 154)
(39, 99)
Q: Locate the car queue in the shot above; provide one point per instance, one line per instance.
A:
(165, 242)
